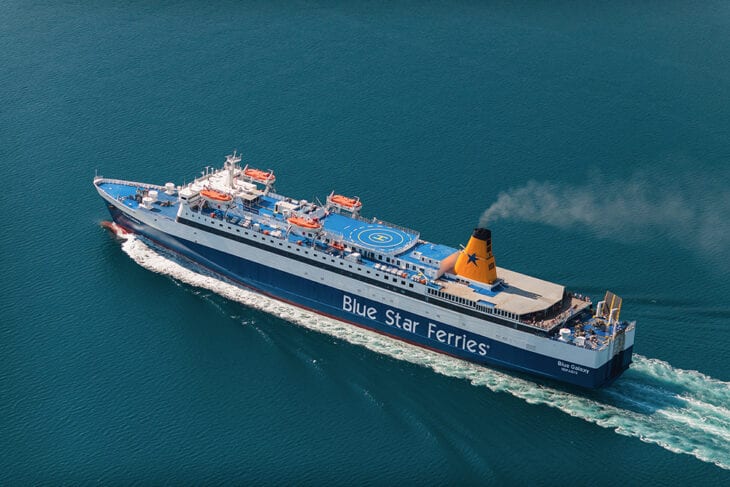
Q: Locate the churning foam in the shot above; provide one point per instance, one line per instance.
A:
(683, 411)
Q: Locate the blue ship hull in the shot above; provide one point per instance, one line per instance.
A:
(412, 328)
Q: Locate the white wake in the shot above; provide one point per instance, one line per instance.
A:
(683, 411)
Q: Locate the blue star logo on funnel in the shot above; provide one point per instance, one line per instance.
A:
(479, 248)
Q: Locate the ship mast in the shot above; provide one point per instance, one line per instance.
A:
(231, 161)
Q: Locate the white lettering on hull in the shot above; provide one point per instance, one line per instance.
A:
(433, 332)
(569, 368)
(457, 340)
(352, 305)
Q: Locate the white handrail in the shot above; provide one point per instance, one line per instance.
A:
(127, 183)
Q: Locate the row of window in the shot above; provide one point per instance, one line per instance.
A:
(458, 299)
(306, 252)
(472, 304)
(396, 262)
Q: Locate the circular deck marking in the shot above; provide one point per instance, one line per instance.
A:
(379, 237)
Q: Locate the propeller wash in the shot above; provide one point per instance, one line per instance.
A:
(652, 401)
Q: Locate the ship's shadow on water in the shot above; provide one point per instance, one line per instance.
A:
(683, 411)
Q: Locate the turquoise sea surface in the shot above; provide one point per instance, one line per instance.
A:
(592, 137)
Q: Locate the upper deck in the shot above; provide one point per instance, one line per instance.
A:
(382, 246)
(374, 236)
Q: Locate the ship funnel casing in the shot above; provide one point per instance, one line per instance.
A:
(483, 234)
(476, 261)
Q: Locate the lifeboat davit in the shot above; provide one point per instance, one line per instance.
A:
(302, 222)
(259, 175)
(345, 202)
(216, 196)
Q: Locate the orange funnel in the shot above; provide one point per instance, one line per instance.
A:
(476, 261)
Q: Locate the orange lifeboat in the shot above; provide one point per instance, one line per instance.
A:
(215, 196)
(307, 223)
(259, 175)
(345, 202)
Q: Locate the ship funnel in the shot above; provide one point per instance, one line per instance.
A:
(476, 261)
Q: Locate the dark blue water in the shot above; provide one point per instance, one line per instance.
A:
(600, 131)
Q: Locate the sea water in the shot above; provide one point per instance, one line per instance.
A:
(592, 139)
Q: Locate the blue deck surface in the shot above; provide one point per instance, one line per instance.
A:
(374, 236)
(118, 190)
(483, 290)
(435, 252)
(126, 192)
(370, 235)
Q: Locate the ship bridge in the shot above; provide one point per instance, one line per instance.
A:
(374, 236)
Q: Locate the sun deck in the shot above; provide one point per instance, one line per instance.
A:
(518, 293)
(522, 294)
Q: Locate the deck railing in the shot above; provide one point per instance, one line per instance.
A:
(479, 307)
(101, 180)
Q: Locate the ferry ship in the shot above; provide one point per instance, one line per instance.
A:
(327, 258)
